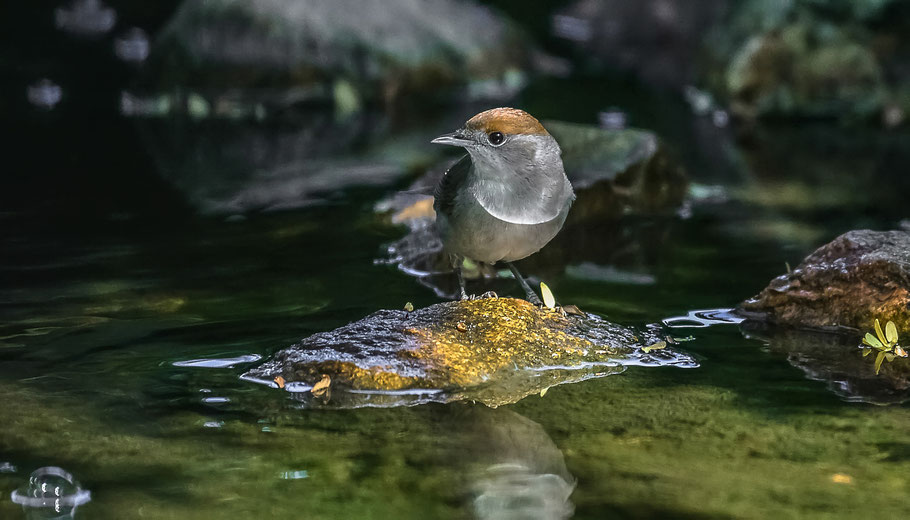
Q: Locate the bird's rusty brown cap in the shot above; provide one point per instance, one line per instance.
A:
(507, 121)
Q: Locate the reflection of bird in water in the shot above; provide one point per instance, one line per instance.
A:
(507, 198)
(514, 490)
(514, 469)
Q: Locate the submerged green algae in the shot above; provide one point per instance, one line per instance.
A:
(648, 443)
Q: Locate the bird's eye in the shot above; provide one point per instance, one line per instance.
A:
(496, 138)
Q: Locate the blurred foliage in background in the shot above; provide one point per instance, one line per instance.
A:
(331, 78)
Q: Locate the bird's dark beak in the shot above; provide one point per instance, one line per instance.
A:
(456, 138)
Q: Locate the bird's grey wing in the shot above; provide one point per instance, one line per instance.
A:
(448, 186)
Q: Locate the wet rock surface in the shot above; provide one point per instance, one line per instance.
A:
(495, 351)
(377, 49)
(615, 173)
(849, 282)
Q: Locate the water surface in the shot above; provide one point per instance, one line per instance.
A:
(127, 318)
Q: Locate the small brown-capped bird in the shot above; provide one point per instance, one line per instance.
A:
(507, 198)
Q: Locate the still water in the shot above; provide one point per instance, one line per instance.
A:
(126, 318)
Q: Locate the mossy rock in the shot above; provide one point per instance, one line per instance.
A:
(492, 350)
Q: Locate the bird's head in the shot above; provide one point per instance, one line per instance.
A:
(505, 138)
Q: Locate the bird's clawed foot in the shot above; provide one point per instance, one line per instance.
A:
(484, 296)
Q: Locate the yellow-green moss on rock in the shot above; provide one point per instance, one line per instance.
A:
(493, 350)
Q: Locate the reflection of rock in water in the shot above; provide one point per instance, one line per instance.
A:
(495, 351)
(234, 167)
(51, 493)
(837, 360)
(614, 173)
(514, 469)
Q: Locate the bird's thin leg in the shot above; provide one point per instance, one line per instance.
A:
(456, 265)
(532, 296)
(462, 293)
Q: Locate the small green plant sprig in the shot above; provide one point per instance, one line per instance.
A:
(885, 344)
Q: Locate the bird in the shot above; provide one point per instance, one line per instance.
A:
(507, 198)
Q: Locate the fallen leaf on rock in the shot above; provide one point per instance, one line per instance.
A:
(322, 386)
(656, 346)
(548, 299)
(573, 309)
(461, 327)
(279, 381)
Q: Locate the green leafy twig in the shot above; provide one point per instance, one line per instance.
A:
(885, 343)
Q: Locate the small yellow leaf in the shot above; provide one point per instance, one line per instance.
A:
(279, 381)
(867, 351)
(872, 341)
(878, 361)
(656, 346)
(409, 307)
(891, 333)
(544, 392)
(548, 299)
(322, 386)
(879, 333)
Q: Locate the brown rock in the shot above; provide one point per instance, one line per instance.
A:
(859, 276)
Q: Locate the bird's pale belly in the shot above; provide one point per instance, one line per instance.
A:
(480, 236)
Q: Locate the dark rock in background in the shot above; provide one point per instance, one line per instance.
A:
(807, 59)
(380, 49)
(803, 58)
(659, 40)
(849, 282)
